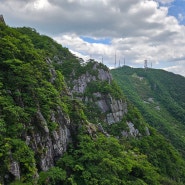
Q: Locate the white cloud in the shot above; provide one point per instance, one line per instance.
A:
(138, 29)
(178, 68)
(165, 1)
(41, 4)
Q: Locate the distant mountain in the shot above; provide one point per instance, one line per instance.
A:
(160, 96)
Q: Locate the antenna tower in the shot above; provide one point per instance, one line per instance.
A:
(115, 60)
(146, 64)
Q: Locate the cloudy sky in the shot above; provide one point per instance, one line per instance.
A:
(133, 30)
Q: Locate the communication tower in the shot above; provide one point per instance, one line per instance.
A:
(115, 60)
(145, 64)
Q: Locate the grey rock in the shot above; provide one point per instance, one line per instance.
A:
(42, 121)
(53, 75)
(15, 169)
(132, 130)
(147, 131)
(110, 118)
(50, 145)
(98, 95)
(102, 104)
(104, 75)
(113, 109)
(157, 108)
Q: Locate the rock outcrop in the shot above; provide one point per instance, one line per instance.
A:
(133, 132)
(2, 19)
(49, 144)
(15, 169)
(113, 108)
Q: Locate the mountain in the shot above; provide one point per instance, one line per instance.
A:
(160, 97)
(65, 121)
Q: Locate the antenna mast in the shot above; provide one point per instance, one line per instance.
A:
(115, 60)
(146, 64)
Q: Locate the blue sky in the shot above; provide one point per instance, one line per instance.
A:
(136, 30)
(95, 40)
(177, 8)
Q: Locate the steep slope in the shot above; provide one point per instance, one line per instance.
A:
(72, 129)
(34, 123)
(160, 97)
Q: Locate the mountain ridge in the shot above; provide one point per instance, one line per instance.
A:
(160, 97)
(63, 121)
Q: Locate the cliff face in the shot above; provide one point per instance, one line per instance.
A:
(35, 127)
(40, 115)
(46, 135)
(49, 145)
(2, 19)
(112, 108)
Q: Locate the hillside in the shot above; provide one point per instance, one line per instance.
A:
(160, 97)
(64, 121)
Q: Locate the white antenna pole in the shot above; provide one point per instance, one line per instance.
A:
(115, 60)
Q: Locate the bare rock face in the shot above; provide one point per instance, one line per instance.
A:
(14, 169)
(81, 83)
(49, 144)
(113, 109)
(147, 131)
(118, 108)
(2, 19)
(133, 132)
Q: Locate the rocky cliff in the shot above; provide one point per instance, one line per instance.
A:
(46, 135)
(112, 108)
(40, 115)
(35, 127)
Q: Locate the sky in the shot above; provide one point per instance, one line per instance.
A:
(109, 31)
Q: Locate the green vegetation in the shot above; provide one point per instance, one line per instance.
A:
(103, 160)
(25, 89)
(159, 95)
(103, 87)
(34, 71)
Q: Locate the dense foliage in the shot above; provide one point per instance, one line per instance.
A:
(160, 96)
(26, 88)
(103, 160)
(33, 71)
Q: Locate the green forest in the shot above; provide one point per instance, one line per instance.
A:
(49, 134)
(160, 97)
